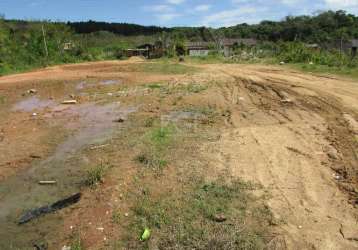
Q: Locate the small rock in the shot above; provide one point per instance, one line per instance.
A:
(100, 229)
(32, 91)
(219, 218)
(332, 155)
(286, 101)
(337, 177)
(126, 214)
(282, 63)
(119, 120)
(72, 96)
(34, 114)
(66, 248)
(300, 227)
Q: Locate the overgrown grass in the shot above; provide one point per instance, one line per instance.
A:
(2, 99)
(207, 215)
(116, 216)
(156, 143)
(196, 88)
(324, 69)
(165, 68)
(76, 243)
(95, 175)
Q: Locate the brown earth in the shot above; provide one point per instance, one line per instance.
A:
(295, 134)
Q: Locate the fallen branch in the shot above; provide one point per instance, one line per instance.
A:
(37, 212)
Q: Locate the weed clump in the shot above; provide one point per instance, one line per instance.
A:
(155, 146)
(208, 215)
(95, 175)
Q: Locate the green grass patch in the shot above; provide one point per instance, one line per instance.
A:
(165, 68)
(154, 85)
(207, 215)
(324, 69)
(2, 99)
(162, 136)
(155, 146)
(116, 216)
(195, 88)
(95, 175)
(76, 242)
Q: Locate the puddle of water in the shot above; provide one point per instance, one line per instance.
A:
(110, 82)
(176, 116)
(19, 193)
(81, 85)
(32, 103)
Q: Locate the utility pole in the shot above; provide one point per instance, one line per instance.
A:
(45, 43)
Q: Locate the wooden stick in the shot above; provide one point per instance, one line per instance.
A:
(47, 182)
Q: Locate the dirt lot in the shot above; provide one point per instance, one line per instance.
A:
(205, 156)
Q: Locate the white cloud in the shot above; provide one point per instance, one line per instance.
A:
(247, 14)
(176, 2)
(342, 4)
(163, 18)
(290, 2)
(202, 7)
(159, 8)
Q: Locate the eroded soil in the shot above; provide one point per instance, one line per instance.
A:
(293, 135)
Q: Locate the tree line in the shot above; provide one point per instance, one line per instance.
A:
(28, 44)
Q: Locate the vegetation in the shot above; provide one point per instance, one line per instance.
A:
(165, 68)
(30, 44)
(95, 175)
(207, 215)
(155, 145)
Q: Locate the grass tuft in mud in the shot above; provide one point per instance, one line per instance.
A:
(155, 145)
(207, 215)
(165, 68)
(95, 175)
(76, 242)
(2, 99)
(196, 88)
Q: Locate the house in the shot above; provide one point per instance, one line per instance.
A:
(228, 45)
(198, 48)
(147, 50)
(68, 46)
(137, 52)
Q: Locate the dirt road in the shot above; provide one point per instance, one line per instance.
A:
(294, 134)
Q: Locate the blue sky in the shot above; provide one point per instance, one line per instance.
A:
(214, 13)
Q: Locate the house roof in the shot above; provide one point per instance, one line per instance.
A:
(312, 45)
(245, 41)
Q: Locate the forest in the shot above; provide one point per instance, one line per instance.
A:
(28, 44)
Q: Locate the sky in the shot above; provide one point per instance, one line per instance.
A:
(211, 13)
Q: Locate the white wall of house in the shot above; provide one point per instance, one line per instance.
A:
(198, 52)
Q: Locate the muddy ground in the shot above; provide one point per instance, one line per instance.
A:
(205, 156)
